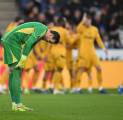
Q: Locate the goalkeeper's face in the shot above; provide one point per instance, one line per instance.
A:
(52, 37)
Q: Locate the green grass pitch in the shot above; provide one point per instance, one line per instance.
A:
(66, 107)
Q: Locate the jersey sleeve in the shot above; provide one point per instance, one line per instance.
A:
(99, 40)
(79, 28)
(29, 45)
(39, 31)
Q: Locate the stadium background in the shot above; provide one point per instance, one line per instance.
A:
(107, 16)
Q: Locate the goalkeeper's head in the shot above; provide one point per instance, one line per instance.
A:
(52, 37)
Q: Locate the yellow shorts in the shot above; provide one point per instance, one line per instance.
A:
(30, 62)
(88, 62)
(60, 62)
(49, 65)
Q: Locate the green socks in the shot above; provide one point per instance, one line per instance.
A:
(15, 85)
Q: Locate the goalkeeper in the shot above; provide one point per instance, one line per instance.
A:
(17, 45)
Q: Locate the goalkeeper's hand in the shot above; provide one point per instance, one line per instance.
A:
(22, 61)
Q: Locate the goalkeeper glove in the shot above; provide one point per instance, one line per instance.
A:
(22, 61)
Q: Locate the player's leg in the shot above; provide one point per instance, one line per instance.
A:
(49, 70)
(59, 75)
(26, 76)
(73, 76)
(66, 79)
(16, 84)
(90, 87)
(100, 79)
(39, 82)
(99, 75)
(10, 86)
(81, 67)
(11, 78)
(15, 88)
(79, 78)
(96, 63)
(48, 81)
(57, 82)
(69, 63)
(77, 87)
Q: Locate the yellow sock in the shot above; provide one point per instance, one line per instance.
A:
(78, 79)
(66, 78)
(90, 83)
(57, 80)
(99, 78)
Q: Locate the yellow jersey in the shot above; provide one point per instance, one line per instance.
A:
(88, 36)
(11, 26)
(64, 34)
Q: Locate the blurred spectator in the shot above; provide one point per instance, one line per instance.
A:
(67, 14)
(32, 14)
(77, 16)
(18, 20)
(42, 18)
(50, 14)
(113, 33)
(0, 35)
(25, 5)
(107, 14)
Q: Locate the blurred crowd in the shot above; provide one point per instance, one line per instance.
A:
(53, 67)
(107, 15)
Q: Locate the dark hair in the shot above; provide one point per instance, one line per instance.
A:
(56, 36)
(18, 18)
(89, 14)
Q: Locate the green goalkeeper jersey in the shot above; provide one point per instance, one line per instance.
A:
(21, 40)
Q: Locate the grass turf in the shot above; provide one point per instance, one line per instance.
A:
(66, 107)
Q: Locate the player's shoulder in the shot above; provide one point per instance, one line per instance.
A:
(55, 28)
(59, 28)
(94, 28)
(65, 29)
(80, 24)
(62, 28)
(33, 23)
